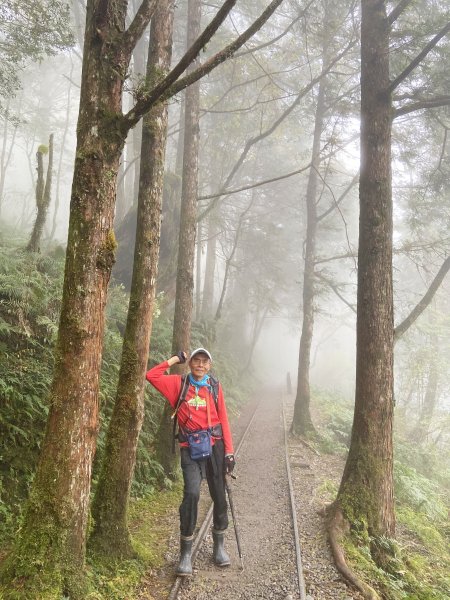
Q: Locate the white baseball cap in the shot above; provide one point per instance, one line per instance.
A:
(200, 351)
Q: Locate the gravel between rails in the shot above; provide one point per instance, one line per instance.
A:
(261, 499)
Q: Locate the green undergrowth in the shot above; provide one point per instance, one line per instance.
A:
(418, 563)
(30, 300)
(151, 520)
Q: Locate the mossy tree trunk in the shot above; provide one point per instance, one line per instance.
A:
(109, 510)
(43, 195)
(366, 492)
(181, 337)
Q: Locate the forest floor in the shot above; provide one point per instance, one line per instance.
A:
(261, 499)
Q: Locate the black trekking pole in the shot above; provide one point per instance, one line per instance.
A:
(230, 500)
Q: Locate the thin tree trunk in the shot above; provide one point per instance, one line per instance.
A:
(61, 154)
(6, 153)
(229, 260)
(422, 428)
(110, 504)
(302, 423)
(43, 196)
(181, 337)
(257, 328)
(198, 273)
(210, 266)
(366, 491)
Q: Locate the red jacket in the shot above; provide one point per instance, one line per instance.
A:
(192, 415)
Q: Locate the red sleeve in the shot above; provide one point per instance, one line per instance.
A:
(223, 417)
(168, 385)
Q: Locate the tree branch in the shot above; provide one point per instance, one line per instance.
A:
(413, 64)
(424, 302)
(224, 54)
(340, 199)
(421, 104)
(169, 86)
(335, 290)
(252, 141)
(278, 37)
(138, 25)
(254, 185)
(159, 92)
(397, 11)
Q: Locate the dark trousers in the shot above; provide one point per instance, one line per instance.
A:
(193, 472)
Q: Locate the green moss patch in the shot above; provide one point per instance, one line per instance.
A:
(151, 521)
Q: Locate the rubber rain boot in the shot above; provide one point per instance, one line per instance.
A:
(221, 558)
(184, 568)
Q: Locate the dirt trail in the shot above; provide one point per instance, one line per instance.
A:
(261, 500)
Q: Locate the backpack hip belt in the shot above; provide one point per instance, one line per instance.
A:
(216, 432)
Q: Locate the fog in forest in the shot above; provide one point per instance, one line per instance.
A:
(276, 132)
(240, 101)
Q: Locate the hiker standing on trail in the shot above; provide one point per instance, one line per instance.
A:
(206, 446)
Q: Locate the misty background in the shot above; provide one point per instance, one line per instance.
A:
(260, 105)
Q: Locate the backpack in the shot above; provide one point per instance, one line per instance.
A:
(182, 397)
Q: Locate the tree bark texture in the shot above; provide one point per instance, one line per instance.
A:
(210, 267)
(366, 490)
(188, 216)
(302, 423)
(43, 197)
(50, 552)
(198, 272)
(181, 338)
(110, 533)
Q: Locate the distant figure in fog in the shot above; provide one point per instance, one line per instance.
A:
(206, 446)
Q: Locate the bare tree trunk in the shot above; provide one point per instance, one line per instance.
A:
(258, 324)
(229, 260)
(181, 338)
(302, 423)
(422, 428)
(210, 266)
(6, 153)
(366, 491)
(43, 196)
(61, 155)
(110, 504)
(198, 273)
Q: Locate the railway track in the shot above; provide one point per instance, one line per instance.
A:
(272, 558)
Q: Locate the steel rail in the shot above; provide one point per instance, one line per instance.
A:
(298, 554)
(204, 527)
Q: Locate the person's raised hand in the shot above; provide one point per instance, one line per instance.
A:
(182, 356)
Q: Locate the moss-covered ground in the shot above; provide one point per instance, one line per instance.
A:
(151, 520)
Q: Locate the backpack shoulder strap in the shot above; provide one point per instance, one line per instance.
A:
(214, 389)
(181, 398)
